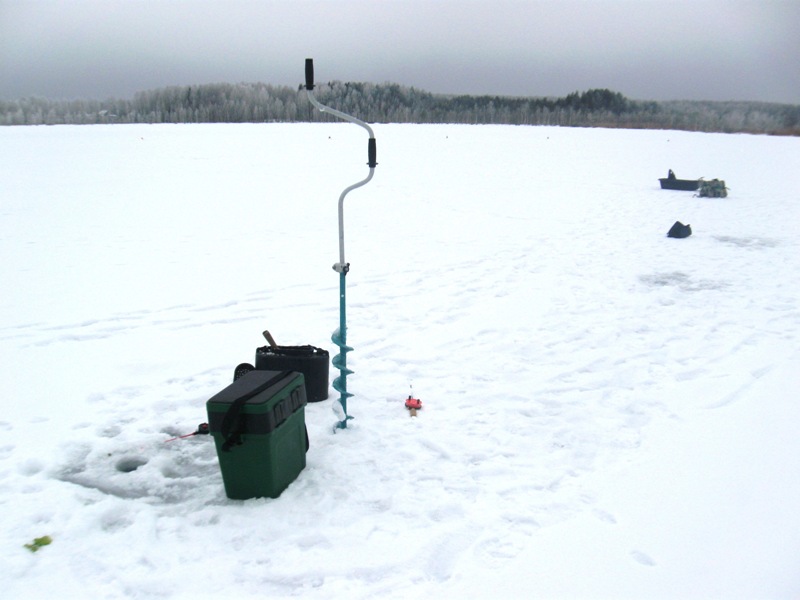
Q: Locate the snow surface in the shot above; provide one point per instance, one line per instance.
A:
(608, 412)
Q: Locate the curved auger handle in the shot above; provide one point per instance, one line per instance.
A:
(372, 152)
(372, 147)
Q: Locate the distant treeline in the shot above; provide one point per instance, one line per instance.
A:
(392, 103)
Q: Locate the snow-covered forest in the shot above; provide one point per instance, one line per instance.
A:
(393, 103)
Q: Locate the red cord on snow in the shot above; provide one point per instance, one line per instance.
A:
(202, 429)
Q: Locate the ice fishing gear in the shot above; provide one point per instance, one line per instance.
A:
(342, 267)
(270, 340)
(202, 429)
(713, 189)
(241, 370)
(679, 230)
(309, 360)
(413, 405)
(258, 426)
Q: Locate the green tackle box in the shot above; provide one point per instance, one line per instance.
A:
(258, 426)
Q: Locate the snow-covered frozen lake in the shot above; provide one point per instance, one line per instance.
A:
(608, 412)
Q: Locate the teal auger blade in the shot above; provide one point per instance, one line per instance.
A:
(340, 386)
(339, 363)
(340, 383)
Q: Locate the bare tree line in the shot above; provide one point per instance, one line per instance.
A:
(393, 103)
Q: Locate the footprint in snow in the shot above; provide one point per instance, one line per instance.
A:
(605, 516)
(642, 558)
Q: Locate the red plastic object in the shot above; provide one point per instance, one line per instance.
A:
(413, 403)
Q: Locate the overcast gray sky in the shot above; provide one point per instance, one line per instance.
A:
(645, 49)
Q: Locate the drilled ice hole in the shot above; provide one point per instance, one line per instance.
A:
(130, 464)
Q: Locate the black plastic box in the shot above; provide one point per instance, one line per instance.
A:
(312, 362)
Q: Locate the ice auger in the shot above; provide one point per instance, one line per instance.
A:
(339, 336)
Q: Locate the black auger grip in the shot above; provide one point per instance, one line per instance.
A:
(309, 73)
(372, 153)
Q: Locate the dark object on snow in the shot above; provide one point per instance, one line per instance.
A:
(673, 183)
(242, 369)
(713, 189)
(258, 426)
(679, 230)
(312, 362)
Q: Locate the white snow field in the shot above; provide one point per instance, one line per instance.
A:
(608, 412)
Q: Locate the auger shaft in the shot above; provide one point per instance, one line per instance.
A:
(342, 267)
(339, 361)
